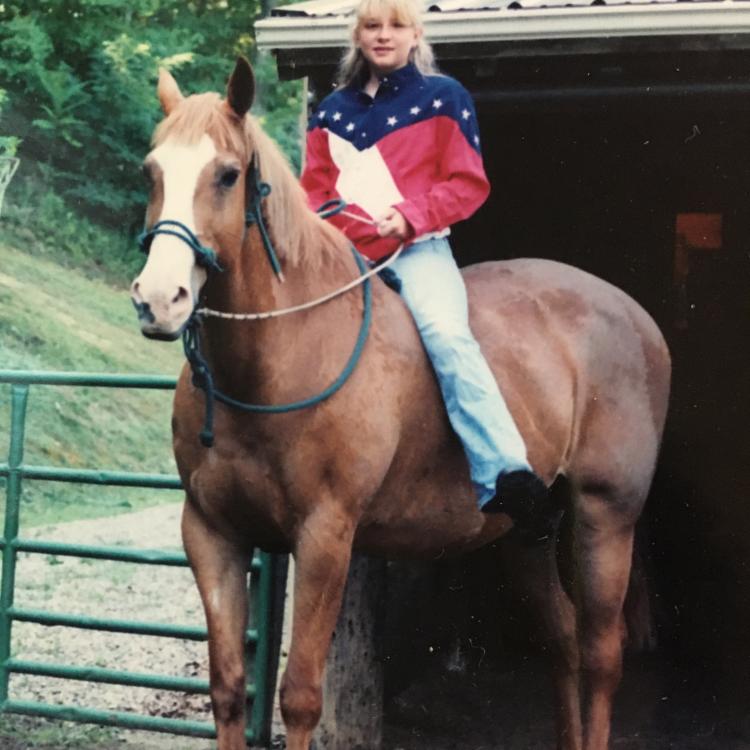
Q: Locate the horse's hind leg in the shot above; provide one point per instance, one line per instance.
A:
(220, 570)
(534, 571)
(605, 522)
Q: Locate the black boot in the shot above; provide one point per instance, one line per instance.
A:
(524, 497)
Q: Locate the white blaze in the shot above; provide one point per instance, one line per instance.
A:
(170, 282)
(171, 261)
(181, 167)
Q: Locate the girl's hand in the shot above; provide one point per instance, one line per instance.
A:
(393, 224)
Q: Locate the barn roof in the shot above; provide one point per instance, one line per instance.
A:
(300, 29)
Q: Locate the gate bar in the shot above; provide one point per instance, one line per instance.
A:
(92, 476)
(42, 617)
(27, 377)
(19, 401)
(116, 719)
(114, 554)
(112, 676)
(188, 632)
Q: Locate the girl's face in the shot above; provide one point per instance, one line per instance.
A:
(386, 42)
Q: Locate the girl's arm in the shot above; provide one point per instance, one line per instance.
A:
(461, 186)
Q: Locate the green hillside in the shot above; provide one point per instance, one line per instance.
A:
(57, 318)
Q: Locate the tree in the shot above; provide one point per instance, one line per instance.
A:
(80, 76)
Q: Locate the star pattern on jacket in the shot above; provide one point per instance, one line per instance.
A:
(363, 120)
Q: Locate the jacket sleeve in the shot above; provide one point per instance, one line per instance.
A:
(461, 186)
(319, 181)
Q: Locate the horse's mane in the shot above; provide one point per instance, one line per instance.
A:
(300, 236)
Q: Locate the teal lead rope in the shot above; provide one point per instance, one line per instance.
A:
(206, 257)
(203, 379)
(254, 215)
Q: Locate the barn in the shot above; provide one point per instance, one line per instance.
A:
(616, 139)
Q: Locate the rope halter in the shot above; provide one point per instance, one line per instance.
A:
(204, 256)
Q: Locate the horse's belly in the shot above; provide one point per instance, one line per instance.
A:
(427, 513)
(430, 537)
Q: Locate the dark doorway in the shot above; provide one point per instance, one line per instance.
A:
(602, 188)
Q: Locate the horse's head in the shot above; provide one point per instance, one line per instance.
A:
(197, 171)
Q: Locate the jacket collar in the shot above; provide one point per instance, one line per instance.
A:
(402, 76)
(389, 81)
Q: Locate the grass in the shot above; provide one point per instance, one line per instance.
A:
(22, 733)
(54, 316)
(60, 318)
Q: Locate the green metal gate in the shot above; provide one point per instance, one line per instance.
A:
(260, 637)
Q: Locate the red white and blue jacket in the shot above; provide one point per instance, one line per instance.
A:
(415, 146)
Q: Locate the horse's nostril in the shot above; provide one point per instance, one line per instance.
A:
(135, 291)
(181, 296)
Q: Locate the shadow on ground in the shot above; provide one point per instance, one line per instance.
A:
(657, 708)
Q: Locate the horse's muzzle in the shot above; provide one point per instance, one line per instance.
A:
(150, 328)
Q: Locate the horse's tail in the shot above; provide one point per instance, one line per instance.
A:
(639, 615)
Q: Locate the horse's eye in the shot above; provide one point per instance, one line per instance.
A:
(228, 177)
(147, 174)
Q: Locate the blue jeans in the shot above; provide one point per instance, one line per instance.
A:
(434, 291)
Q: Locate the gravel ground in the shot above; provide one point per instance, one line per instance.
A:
(112, 590)
(486, 710)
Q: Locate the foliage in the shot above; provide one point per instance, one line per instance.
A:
(80, 77)
(43, 221)
(279, 108)
(8, 143)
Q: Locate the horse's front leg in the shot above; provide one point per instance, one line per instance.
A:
(322, 554)
(220, 570)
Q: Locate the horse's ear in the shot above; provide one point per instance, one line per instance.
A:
(241, 87)
(168, 90)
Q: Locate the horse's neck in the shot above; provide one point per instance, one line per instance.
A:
(288, 357)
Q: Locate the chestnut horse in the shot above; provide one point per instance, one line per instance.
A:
(376, 467)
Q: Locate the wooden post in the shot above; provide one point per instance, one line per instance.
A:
(353, 684)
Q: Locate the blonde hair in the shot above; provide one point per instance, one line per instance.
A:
(353, 66)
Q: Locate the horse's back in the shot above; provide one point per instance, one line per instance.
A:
(569, 302)
(580, 363)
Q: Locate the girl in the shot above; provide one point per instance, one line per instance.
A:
(399, 143)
